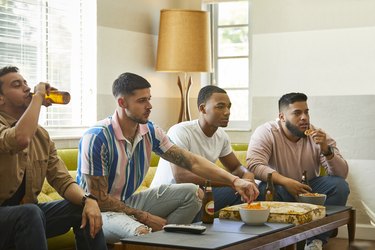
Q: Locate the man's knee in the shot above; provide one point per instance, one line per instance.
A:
(32, 213)
(342, 186)
(194, 195)
(200, 193)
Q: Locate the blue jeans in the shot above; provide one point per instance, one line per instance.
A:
(223, 197)
(336, 189)
(27, 226)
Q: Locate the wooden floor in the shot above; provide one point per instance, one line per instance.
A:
(342, 244)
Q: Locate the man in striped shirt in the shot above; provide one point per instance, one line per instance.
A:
(114, 157)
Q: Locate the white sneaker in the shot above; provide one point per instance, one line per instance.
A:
(314, 245)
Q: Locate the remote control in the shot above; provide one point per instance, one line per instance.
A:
(185, 228)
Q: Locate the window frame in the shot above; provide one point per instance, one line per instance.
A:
(241, 125)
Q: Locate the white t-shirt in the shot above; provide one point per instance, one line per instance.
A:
(189, 135)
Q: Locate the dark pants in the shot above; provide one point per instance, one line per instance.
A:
(336, 189)
(27, 226)
(223, 197)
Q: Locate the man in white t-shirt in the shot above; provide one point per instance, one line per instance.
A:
(207, 138)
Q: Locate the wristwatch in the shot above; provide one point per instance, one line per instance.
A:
(87, 195)
(329, 152)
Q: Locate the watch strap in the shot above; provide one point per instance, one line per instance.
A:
(87, 196)
(329, 152)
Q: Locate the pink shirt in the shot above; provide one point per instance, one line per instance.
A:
(270, 150)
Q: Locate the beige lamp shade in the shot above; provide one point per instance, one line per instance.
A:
(184, 41)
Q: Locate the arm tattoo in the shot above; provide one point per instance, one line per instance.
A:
(178, 156)
(98, 186)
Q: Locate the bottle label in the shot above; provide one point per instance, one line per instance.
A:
(269, 196)
(210, 208)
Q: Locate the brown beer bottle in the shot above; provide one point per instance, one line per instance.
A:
(58, 97)
(304, 178)
(208, 208)
(270, 189)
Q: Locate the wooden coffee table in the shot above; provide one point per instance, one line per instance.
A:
(234, 235)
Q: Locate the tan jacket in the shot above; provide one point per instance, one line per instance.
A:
(38, 161)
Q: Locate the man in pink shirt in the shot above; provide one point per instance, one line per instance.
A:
(281, 147)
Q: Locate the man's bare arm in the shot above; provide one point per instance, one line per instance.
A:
(182, 175)
(196, 164)
(230, 162)
(98, 186)
(208, 170)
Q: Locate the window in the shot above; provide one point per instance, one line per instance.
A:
(231, 57)
(54, 41)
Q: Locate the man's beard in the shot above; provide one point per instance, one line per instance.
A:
(135, 119)
(294, 129)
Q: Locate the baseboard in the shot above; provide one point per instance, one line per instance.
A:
(362, 232)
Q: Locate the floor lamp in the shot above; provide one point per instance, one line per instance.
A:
(184, 47)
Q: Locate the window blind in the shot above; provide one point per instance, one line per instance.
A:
(45, 40)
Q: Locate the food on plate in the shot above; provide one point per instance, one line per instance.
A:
(256, 205)
(313, 198)
(311, 194)
(280, 212)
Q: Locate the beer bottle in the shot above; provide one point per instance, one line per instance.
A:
(304, 178)
(270, 189)
(208, 204)
(58, 97)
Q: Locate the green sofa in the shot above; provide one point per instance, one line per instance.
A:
(69, 156)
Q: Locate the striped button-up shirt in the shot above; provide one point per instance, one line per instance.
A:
(104, 151)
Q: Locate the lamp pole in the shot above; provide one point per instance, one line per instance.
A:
(184, 91)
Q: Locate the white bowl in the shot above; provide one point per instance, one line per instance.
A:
(312, 198)
(254, 216)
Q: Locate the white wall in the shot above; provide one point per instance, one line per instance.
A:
(127, 42)
(324, 48)
(330, 62)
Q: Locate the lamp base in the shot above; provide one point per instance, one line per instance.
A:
(184, 108)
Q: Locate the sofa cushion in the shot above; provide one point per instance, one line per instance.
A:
(69, 156)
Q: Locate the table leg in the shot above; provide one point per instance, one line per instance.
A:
(290, 247)
(351, 225)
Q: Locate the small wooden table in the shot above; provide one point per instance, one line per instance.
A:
(234, 235)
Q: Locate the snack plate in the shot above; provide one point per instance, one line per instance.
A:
(281, 212)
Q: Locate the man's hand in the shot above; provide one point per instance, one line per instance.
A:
(153, 221)
(91, 213)
(247, 189)
(320, 138)
(248, 176)
(42, 89)
(295, 188)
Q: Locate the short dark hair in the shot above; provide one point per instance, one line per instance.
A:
(127, 82)
(206, 92)
(291, 98)
(5, 70)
